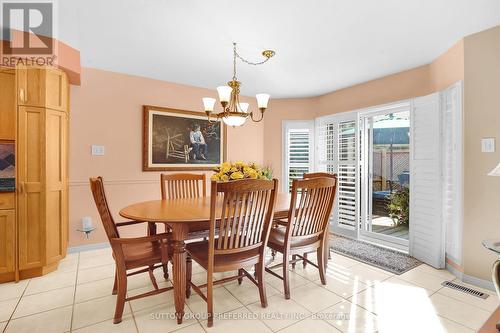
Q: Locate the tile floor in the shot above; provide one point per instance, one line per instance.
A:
(357, 298)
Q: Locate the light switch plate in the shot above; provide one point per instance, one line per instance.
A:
(488, 145)
(97, 150)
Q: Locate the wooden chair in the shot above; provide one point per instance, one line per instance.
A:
(327, 248)
(183, 185)
(306, 227)
(150, 252)
(245, 222)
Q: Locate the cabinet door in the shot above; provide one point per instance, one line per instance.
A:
(7, 105)
(56, 184)
(42, 87)
(56, 89)
(7, 241)
(30, 86)
(31, 197)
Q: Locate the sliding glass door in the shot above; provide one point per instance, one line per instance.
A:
(385, 174)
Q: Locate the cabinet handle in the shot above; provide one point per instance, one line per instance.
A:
(21, 95)
(21, 188)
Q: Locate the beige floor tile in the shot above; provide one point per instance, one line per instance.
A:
(340, 281)
(311, 273)
(348, 317)
(424, 279)
(95, 261)
(95, 311)
(460, 312)
(393, 296)
(314, 298)
(12, 289)
(367, 274)
(201, 278)
(68, 264)
(280, 312)
(295, 280)
(51, 281)
(338, 259)
(94, 289)
(195, 328)
(151, 301)
(488, 304)
(2, 326)
(126, 326)
(161, 318)
(241, 320)
(7, 308)
(442, 273)
(44, 301)
(453, 327)
(96, 253)
(223, 302)
(96, 273)
(247, 292)
(310, 325)
(142, 280)
(54, 321)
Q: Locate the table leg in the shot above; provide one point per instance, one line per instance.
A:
(179, 234)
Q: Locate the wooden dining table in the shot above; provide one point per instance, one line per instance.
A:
(182, 216)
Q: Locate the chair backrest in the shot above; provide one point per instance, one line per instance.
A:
(310, 210)
(319, 175)
(183, 185)
(97, 187)
(245, 215)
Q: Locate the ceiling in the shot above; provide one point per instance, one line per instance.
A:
(320, 46)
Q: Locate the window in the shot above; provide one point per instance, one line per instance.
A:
(298, 143)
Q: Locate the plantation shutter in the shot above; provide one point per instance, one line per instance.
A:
(452, 171)
(298, 151)
(337, 153)
(426, 220)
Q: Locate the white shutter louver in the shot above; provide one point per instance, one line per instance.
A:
(299, 148)
(347, 174)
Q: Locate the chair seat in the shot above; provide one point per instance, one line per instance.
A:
(277, 240)
(136, 255)
(222, 262)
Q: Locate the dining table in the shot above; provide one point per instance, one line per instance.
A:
(184, 215)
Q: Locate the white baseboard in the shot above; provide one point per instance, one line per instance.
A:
(89, 247)
(485, 284)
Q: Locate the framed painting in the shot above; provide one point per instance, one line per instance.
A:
(181, 140)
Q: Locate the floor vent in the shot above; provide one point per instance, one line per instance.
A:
(465, 289)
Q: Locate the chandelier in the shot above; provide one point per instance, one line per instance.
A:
(234, 113)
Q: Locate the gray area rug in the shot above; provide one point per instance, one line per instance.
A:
(389, 260)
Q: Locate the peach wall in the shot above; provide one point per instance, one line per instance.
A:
(481, 120)
(107, 110)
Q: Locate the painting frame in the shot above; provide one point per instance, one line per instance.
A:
(148, 163)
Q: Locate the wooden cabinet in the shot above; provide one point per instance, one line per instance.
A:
(7, 241)
(40, 219)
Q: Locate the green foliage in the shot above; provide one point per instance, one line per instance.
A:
(399, 206)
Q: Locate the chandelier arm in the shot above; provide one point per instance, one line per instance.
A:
(256, 121)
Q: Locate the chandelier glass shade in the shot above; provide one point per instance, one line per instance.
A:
(235, 113)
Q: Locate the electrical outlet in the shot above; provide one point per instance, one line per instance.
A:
(97, 150)
(488, 145)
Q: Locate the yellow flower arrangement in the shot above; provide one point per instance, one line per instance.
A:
(240, 170)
